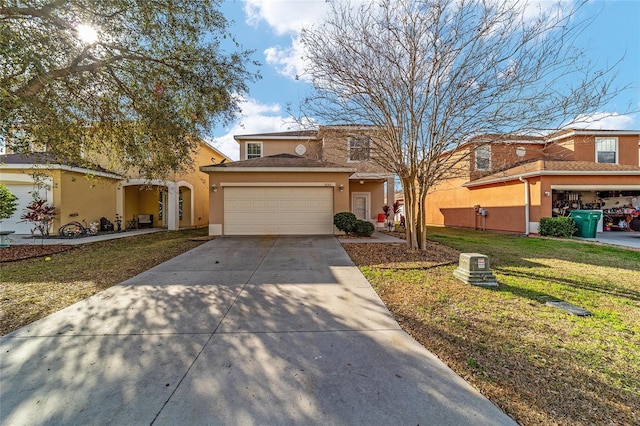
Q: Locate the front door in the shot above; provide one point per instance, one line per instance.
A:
(361, 205)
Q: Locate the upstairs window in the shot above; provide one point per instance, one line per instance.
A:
(254, 150)
(483, 157)
(607, 150)
(359, 148)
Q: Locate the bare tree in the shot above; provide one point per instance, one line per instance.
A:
(431, 75)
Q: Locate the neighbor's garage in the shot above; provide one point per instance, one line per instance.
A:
(23, 192)
(281, 210)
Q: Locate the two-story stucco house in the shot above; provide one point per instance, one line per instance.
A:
(89, 192)
(294, 182)
(517, 181)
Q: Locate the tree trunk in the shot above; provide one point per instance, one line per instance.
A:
(412, 211)
(422, 220)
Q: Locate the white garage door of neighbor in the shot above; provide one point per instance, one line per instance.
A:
(278, 210)
(14, 223)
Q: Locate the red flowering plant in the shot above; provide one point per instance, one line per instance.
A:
(386, 210)
(40, 214)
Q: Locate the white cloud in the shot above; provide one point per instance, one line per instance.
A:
(255, 118)
(555, 8)
(285, 16)
(288, 61)
(603, 121)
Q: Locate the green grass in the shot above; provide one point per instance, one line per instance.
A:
(540, 364)
(34, 288)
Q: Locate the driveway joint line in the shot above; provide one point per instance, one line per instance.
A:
(340, 330)
(195, 359)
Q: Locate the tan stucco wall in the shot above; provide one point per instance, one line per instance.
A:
(583, 148)
(216, 201)
(186, 210)
(275, 146)
(74, 195)
(131, 202)
(200, 183)
(335, 143)
(80, 197)
(148, 202)
(136, 202)
(376, 191)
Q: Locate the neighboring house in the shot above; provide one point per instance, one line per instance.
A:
(294, 182)
(517, 182)
(88, 193)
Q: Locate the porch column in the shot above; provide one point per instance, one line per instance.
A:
(173, 221)
(391, 191)
(120, 189)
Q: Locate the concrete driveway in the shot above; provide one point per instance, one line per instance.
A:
(247, 330)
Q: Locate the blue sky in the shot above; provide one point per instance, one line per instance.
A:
(271, 28)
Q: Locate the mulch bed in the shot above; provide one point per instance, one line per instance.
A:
(400, 256)
(21, 252)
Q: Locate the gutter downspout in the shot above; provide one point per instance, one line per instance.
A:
(526, 205)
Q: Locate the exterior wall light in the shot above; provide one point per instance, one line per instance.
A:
(214, 187)
(341, 187)
(547, 193)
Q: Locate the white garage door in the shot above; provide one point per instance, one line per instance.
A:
(14, 223)
(278, 210)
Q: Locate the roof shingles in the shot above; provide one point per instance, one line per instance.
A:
(540, 167)
(280, 161)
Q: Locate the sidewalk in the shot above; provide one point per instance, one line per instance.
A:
(25, 239)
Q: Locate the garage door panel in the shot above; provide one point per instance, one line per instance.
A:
(278, 210)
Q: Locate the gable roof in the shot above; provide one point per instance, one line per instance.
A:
(567, 133)
(294, 134)
(277, 163)
(46, 160)
(556, 168)
(214, 149)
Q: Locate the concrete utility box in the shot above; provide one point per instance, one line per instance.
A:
(473, 268)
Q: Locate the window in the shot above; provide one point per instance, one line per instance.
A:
(607, 150)
(483, 157)
(359, 148)
(254, 150)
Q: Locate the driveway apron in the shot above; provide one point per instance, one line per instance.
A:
(244, 330)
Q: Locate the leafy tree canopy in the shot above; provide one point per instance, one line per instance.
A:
(136, 81)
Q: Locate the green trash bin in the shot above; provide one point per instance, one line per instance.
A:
(586, 222)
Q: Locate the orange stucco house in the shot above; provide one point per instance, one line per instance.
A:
(517, 181)
(294, 182)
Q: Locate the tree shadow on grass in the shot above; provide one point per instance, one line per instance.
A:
(608, 289)
(514, 372)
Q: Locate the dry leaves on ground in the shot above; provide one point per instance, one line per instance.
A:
(20, 252)
(400, 256)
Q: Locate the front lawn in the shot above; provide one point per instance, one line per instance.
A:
(34, 288)
(540, 364)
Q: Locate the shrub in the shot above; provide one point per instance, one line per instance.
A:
(563, 227)
(40, 214)
(345, 221)
(8, 203)
(363, 228)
